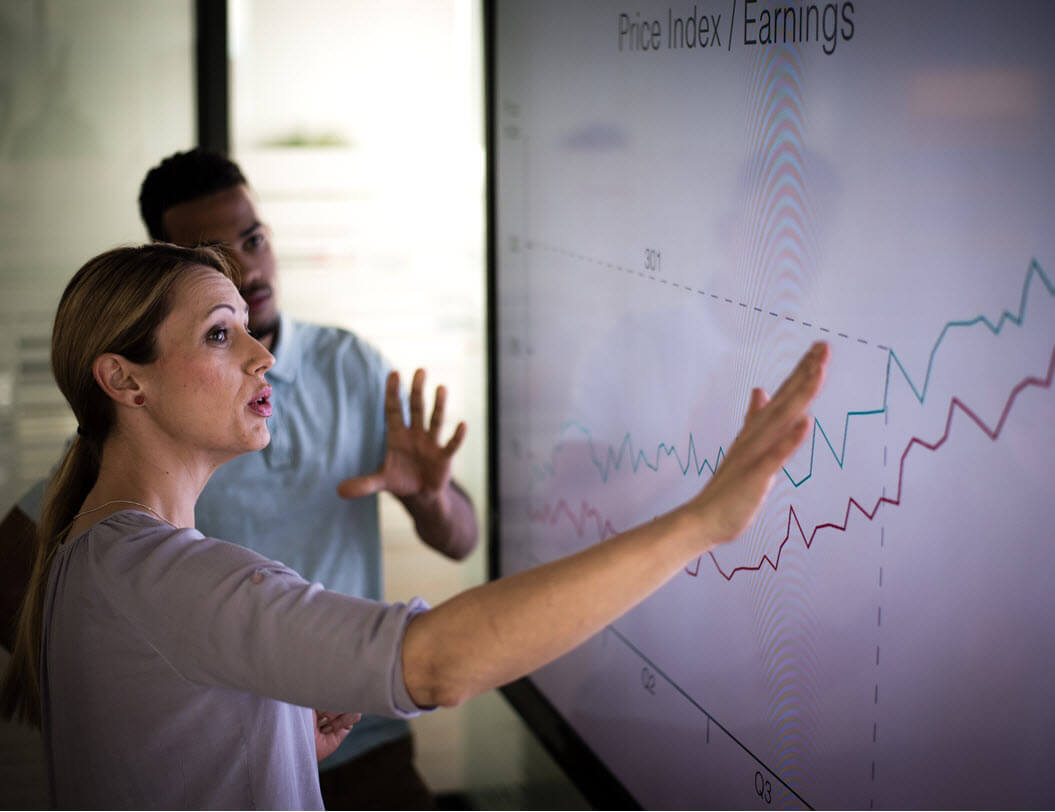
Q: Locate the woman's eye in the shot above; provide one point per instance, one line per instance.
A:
(217, 335)
(254, 241)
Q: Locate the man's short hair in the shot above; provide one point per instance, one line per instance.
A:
(181, 177)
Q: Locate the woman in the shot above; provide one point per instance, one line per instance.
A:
(177, 670)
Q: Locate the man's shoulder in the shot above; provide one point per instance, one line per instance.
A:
(325, 346)
(307, 331)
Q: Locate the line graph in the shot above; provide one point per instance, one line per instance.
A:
(588, 513)
(612, 458)
(993, 433)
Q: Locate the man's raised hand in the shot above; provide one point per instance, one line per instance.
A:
(416, 461)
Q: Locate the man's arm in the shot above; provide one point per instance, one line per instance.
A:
(17, 534)
(417, 471)
(446, 522)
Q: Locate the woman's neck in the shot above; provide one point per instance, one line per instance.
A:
(160, 485)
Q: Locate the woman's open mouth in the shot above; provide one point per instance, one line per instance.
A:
(261, 404)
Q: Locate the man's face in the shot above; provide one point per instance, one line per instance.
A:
(229, 217)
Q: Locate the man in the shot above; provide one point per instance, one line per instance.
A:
(329, 440)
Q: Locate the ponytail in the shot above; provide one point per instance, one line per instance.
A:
(20, 688)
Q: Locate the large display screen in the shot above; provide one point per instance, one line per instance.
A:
(685, 195)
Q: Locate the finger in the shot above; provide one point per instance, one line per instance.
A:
(345, 721)
(456, 440)
(805, 374)
(759, 399)
(438, 410)
(765, 429)
(356, 486)
(337, 721)
(799, 388)
(789, 418)
(393, 404)
(783, 447)
(417, 400)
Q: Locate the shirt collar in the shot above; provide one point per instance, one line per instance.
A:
(285, 350)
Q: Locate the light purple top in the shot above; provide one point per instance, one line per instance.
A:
(178, 671)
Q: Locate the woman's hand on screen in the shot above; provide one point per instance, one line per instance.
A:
(773, 429)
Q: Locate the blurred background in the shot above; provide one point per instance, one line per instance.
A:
(360, 125)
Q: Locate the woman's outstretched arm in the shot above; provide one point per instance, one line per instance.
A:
(497, 632)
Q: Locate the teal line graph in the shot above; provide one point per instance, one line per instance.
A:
(614, 457)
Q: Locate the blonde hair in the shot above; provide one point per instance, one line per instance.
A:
(114, 304)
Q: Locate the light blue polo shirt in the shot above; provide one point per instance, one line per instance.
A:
(328, 391)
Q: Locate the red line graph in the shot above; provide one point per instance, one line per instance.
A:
(586, 512)
(604, 527)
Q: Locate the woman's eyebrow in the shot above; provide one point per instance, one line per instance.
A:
(227, 305)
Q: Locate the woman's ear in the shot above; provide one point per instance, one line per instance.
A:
(116, 376)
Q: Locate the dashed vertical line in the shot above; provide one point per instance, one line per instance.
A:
(879, 618)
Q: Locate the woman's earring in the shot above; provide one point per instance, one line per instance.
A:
(139, 400)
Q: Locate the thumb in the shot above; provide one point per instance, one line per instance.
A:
(356, 486)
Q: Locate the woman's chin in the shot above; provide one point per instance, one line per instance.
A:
(260, 440)
(256, 441)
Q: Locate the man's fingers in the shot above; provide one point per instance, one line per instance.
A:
(438, 409)
(330, 723)
(417, 400)
(357, 486)
(343, 721)
(393, 404)
(455, 442)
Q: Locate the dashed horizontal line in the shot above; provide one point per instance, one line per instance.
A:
(531, 245)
